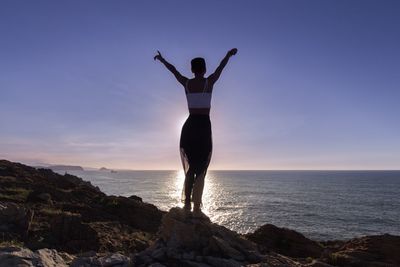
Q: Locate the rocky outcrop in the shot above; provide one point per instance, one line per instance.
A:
(62, 220)
(188, 241)
(71, 234)
(15, 256)
(379, 250)
(285, 241)
(135, 213)
(43, 209)
(15, 220)
(93, 259)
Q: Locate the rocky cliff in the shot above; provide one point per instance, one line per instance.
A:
(47, 219)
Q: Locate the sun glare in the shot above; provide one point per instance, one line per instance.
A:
(179, 180)
(180, 123)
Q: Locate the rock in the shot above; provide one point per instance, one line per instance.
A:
(25, 257)
(142, 259)
(115, 259)
(188, 255)
(173, 253)
(159, 254)
(50, 258)
(137, 214)
(285, 241)
(220, 262)
(188, 241)
(15, 256)
(199, 258)
(180, 231)
(38, 196)
(191, 234)
(195, 264)
(46, 197)
(157, 265)
(273, 259)
(7, 261)
(379, 250)
(136, 198)
(15, 218)
(317, 263)
(70, 233)
(85, 262)
(226, 249)
(107, 223)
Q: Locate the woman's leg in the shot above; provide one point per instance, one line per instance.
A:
(189, 179)
(198, 190)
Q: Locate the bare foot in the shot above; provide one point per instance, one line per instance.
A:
(197, 213)
(187, 208)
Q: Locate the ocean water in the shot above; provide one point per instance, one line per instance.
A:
(322, 205)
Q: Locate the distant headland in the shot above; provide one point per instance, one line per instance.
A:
(66, 168)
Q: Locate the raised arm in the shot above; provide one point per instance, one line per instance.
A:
(215, 76)
(182, 79)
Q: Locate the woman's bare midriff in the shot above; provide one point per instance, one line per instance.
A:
(203, 111)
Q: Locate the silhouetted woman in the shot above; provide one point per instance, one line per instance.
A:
(196, 140)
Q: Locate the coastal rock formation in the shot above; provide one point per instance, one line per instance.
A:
(188, 241)
(285, 241)
(14, 256)
(379, 250)
(47, 219)
(15, 220)
(43, 209)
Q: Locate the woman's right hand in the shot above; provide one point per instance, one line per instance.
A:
(159, 56)
(232, 52)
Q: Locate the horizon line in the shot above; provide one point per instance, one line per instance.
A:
(88, 168)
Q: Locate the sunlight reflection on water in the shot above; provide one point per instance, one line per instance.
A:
(208, 192)
(342, 204)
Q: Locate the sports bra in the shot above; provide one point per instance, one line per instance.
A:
(198, 100)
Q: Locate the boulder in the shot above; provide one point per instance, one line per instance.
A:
(70, 233)
(137, 214)
(134, 197)
(189, 241)
(38, 196)
(14, 218)
(15, 256)
(379, 250)
(285, 241)
(114, 259)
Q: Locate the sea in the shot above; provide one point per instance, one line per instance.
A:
(322, 205)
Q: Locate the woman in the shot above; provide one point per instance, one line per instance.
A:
(196, 140)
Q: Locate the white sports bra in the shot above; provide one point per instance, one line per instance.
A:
(198, 100)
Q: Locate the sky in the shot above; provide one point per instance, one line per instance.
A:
(314, 85)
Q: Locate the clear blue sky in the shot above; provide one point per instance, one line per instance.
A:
(315, 84)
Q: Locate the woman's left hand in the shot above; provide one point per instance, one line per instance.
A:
(159, 56)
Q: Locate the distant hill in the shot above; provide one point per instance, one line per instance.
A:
(65, 168)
